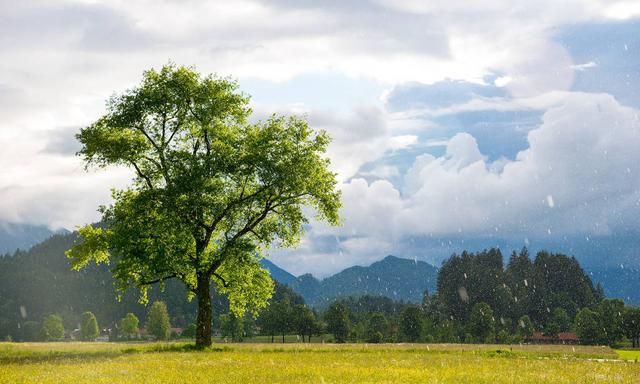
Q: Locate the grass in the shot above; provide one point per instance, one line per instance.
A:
(316, 363)
(627, 354)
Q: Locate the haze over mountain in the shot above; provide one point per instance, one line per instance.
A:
(21, 236)
(393, 277)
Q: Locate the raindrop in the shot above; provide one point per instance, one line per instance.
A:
(23, 311)
(526, 283)
(464, 296)
(550, 201)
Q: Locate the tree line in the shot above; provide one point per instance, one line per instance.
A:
(52, 327)
(479, 298)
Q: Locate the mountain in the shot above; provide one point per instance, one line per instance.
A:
(277, 273)
(21, 236)
(621, 283)
(393, 277)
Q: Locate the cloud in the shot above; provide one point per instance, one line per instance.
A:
(575, 180)
(463, 131)
(581, 157)
(437, 95)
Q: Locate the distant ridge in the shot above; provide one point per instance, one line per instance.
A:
(393, 277)
(22, 236)
(277, 273)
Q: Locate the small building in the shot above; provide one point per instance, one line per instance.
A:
(563, 338)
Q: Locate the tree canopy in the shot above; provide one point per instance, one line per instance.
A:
(211, 191)
(158, 323)
(89, 329)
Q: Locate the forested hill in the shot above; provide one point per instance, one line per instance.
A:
(40, 281)
(393, 277)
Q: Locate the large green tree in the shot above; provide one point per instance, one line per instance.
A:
(631, 324)
(587, 326)
(158, 323)
(89, 326)
(411, 322)
(129, 325)
(481, 324)
(337, 318)
(210, 191)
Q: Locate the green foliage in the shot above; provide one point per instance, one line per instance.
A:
(158, 321)
(211, 190)
(468, 279)
(611, 312)
(129, 325)
(587, 326)
(525, 327)
(503, 337)
(377, 328)
(94, 247)
(559, 322)
(304, 321)
(523, 288)
(337, 318)
(481, 324)
(89, 329)
(189, 331)
(231, 326)
(411, 323)
(631, 324)
(52, 328)
(31, 330)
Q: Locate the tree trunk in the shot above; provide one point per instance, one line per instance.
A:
(283, 338)
(203, 323)
(271, 339)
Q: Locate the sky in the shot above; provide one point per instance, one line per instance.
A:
(455, 124)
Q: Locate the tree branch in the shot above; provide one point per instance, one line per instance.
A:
(240, 200)
(141, 174)
(224, 282)
(150, 282)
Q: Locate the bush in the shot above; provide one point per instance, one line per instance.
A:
(190, 331)
(30, 331)
(52, 328)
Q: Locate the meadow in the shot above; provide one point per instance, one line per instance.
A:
(310, 363)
